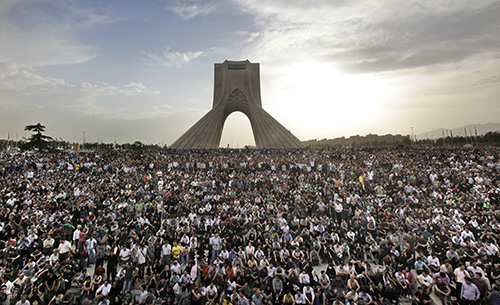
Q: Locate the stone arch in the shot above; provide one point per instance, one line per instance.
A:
(237, 88)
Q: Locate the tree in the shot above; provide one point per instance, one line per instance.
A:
(37, 140)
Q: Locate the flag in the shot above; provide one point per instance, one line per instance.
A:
(451, 133)
(475, 131)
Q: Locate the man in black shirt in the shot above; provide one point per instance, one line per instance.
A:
(111, 267)
(130, 273)
(422, 297)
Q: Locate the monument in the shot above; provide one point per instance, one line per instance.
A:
(237, 88)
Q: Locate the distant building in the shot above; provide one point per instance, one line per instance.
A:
(357, 140)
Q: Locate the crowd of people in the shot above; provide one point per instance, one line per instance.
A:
(251, 227)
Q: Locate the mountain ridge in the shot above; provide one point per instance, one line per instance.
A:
(459, 131)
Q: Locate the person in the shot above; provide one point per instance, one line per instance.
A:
(480, 284)
(420, 266)
(112, 264)
(469, 294)
(64, 249)
(300, 298)
(308, 293)
(103, 290)
(442, 290)
(324, 281)
(23, 300)
(129, 273)
(242, 299)
(460, 274)
(367, 298)
(176, 252)
(426, 281)
(494, 296)
(212, 293)
(426, 203)
(422, 297)
(257, 298)
(288, 298)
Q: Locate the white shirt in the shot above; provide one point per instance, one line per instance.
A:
(104, 289)
(491, 249)
(433, 261)
(215, 242)
(304, 278)
(176, 267)
(64, 247)
(125, 254)
(76, 234)
(166, 250)
(141, 255)
(270, 271)
(211, 291)
(426, 280)
(250, 250)
(475, 270)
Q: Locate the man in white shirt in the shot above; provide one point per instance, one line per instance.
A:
(304, 278)
(103, 290)
(426, 281)
(142, 255)
(91, 244)
(64, 249)
(474, 269)
(299, 298)
(216, 243)
(76, 234)
(176, 267)
(433, 261)
(211, 293)
(166, 252)
(491, 249)
(23, 301)
(466, 233)
(338, 211)
(125, 254)
(250, 250)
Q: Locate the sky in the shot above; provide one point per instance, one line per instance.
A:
(143, 70)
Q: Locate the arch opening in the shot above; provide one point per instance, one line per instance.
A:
(237, 131)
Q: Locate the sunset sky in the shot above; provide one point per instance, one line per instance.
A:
(143, 70)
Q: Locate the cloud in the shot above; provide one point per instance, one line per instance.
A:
(23, 79)
(364, 37)
(18, 77)
(40, 33)
(110, 90)
(191, 8)
(488, 81)
(169, 58)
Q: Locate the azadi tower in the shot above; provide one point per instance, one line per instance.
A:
(237, 88)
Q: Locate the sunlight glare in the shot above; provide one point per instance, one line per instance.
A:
(329, 99)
